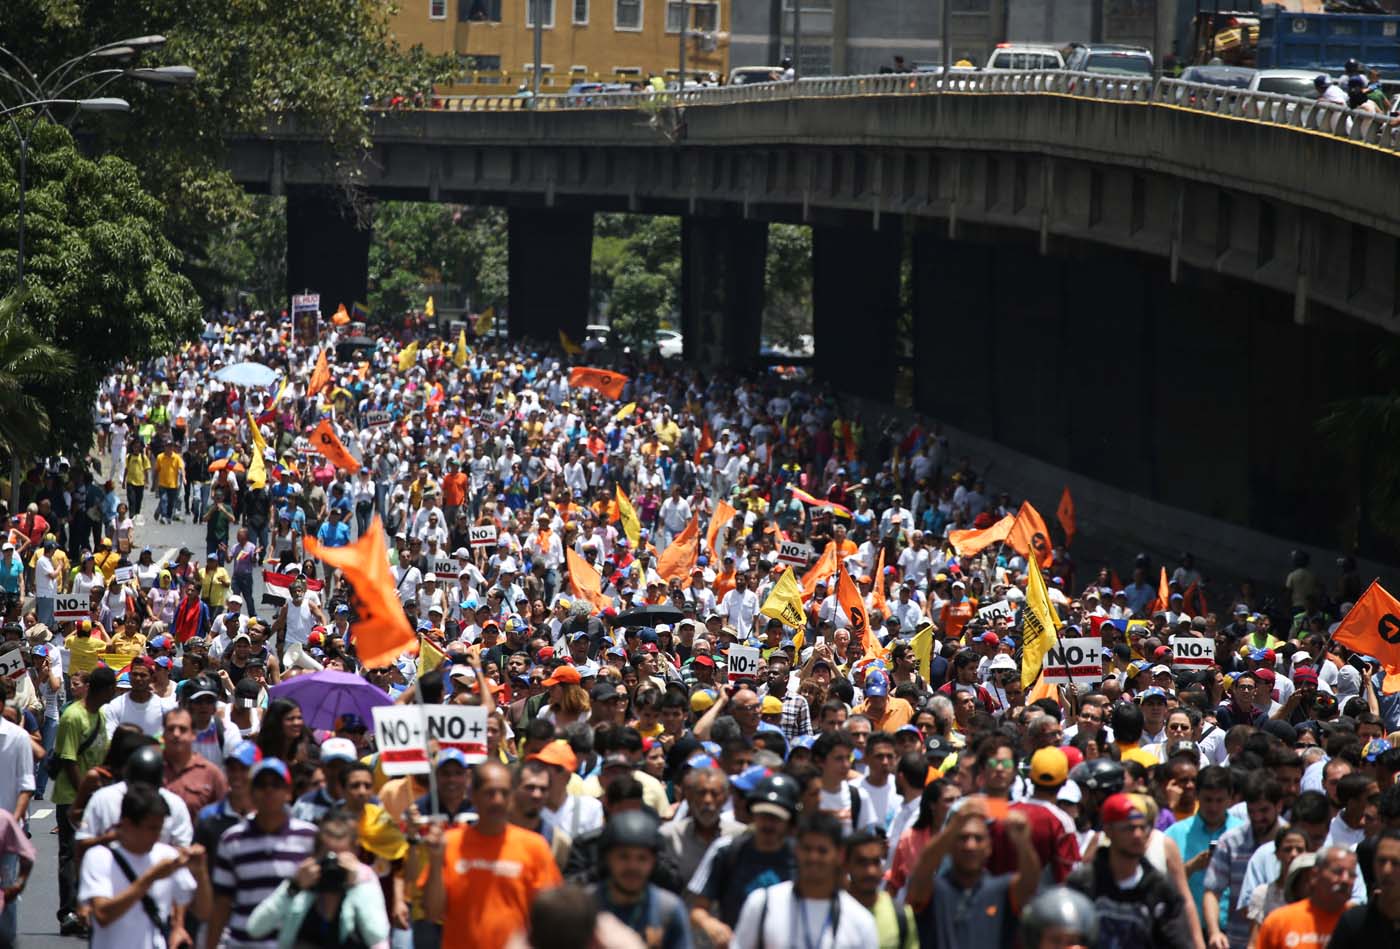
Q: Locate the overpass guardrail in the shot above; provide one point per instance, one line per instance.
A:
(1308, 115)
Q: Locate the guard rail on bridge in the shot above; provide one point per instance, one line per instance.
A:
(1307, 115)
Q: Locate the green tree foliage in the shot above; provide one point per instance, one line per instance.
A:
(101, 278)
(787, 311)
(250, 256)
(257, 60)
(636, 274)
(418, 245)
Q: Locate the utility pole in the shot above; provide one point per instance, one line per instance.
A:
(685, 35)
(538, 6)
(796, 40)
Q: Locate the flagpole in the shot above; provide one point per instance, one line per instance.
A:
(427, 747)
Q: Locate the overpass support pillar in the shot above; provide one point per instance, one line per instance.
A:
(327, 250)
(550, 270)
(855, 307)
(722, 265)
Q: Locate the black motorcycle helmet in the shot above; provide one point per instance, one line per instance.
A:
(631, 829)
(145, 766)
(1059, 908)
(1101, 774)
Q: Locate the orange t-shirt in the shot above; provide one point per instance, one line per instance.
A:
(898, 713)
(490, 883)
(955, 617)
(454, 489)
(1297, 924)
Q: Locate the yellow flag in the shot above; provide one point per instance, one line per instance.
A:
(1039, 625)
(784, 604)
(408, 356)
(459, 358)
(923, 648)
(631, 525)
(486, 322)
(625, 411)
(570, 347)
(430, 309)
(257, 468)
(429, 657)
(281, 391)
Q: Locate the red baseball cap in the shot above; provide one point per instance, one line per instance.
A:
(1118, 808)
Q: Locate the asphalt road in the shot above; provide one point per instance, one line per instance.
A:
(38, 923)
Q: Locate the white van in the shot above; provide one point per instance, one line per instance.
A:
(1023, 56)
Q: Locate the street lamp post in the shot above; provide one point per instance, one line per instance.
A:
(40, 96)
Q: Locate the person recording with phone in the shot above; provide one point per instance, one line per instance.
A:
(332, 900)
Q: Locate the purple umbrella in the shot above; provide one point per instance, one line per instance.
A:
(325, 696)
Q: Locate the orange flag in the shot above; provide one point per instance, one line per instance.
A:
(585, 580)
(724, 513)
(341, 317)
(680, 556)
(853, 606)
(1065, 513)
(707, 441)
(326, 442)
(381, 630)
(1164, 593)
(607, 382)
(321, 375)
(1029, 533)
(1372, 627)
(819, 571)
(970, 542)
(879, 591)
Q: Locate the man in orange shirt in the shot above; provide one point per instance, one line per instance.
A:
(454, 490)
(957, 611)
(887, 713)
(1309, 922)
(482, 879)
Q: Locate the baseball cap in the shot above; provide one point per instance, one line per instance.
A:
(771, 705)
(1002, 662)
(703, 661)
(565, 674)
(452, 754)
(246, 693)
(246, 753)
(1375, 748)
(991, 639)
(877, 685)
(1305, 678)
(338, 749)
(557, 753)
(1049, 767)
(272, 765)
(1159, 669)
(350, 722)
(702, 700)
(1119, 807)
(1262, 655)
(1152, 693)
(204, 687)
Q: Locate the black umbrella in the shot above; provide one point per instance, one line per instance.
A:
(649, 616)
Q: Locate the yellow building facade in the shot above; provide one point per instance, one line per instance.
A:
(584, 40)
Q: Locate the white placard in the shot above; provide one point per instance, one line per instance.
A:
(72, 607)
(403, 745)
(446, 568)
(378, 419)
(12, 664)
(795, 553)
(124, 574)
(1080, 659)
(306, 302)
(742, 662)
(1000, 610)
(482, 535)
(1191, 652)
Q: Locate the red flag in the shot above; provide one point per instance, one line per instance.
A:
(1065, 513)
(381, 629)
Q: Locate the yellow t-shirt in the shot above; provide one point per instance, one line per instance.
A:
(124, 649)
(168, 468)
(84, 652)
(108, 561)
(137, 465)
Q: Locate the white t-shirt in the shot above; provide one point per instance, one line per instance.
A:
(104, 810)
(101, 877)
(786, 921)
(885, 800)
(838, 805)
(124, 710)
(1340, 835)
(16, 764)
(45, 577)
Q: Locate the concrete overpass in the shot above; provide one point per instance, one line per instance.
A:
(1129, 277)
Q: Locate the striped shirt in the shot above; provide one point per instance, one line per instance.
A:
(251, 863)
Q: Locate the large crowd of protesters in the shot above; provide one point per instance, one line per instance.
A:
(888, 775)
